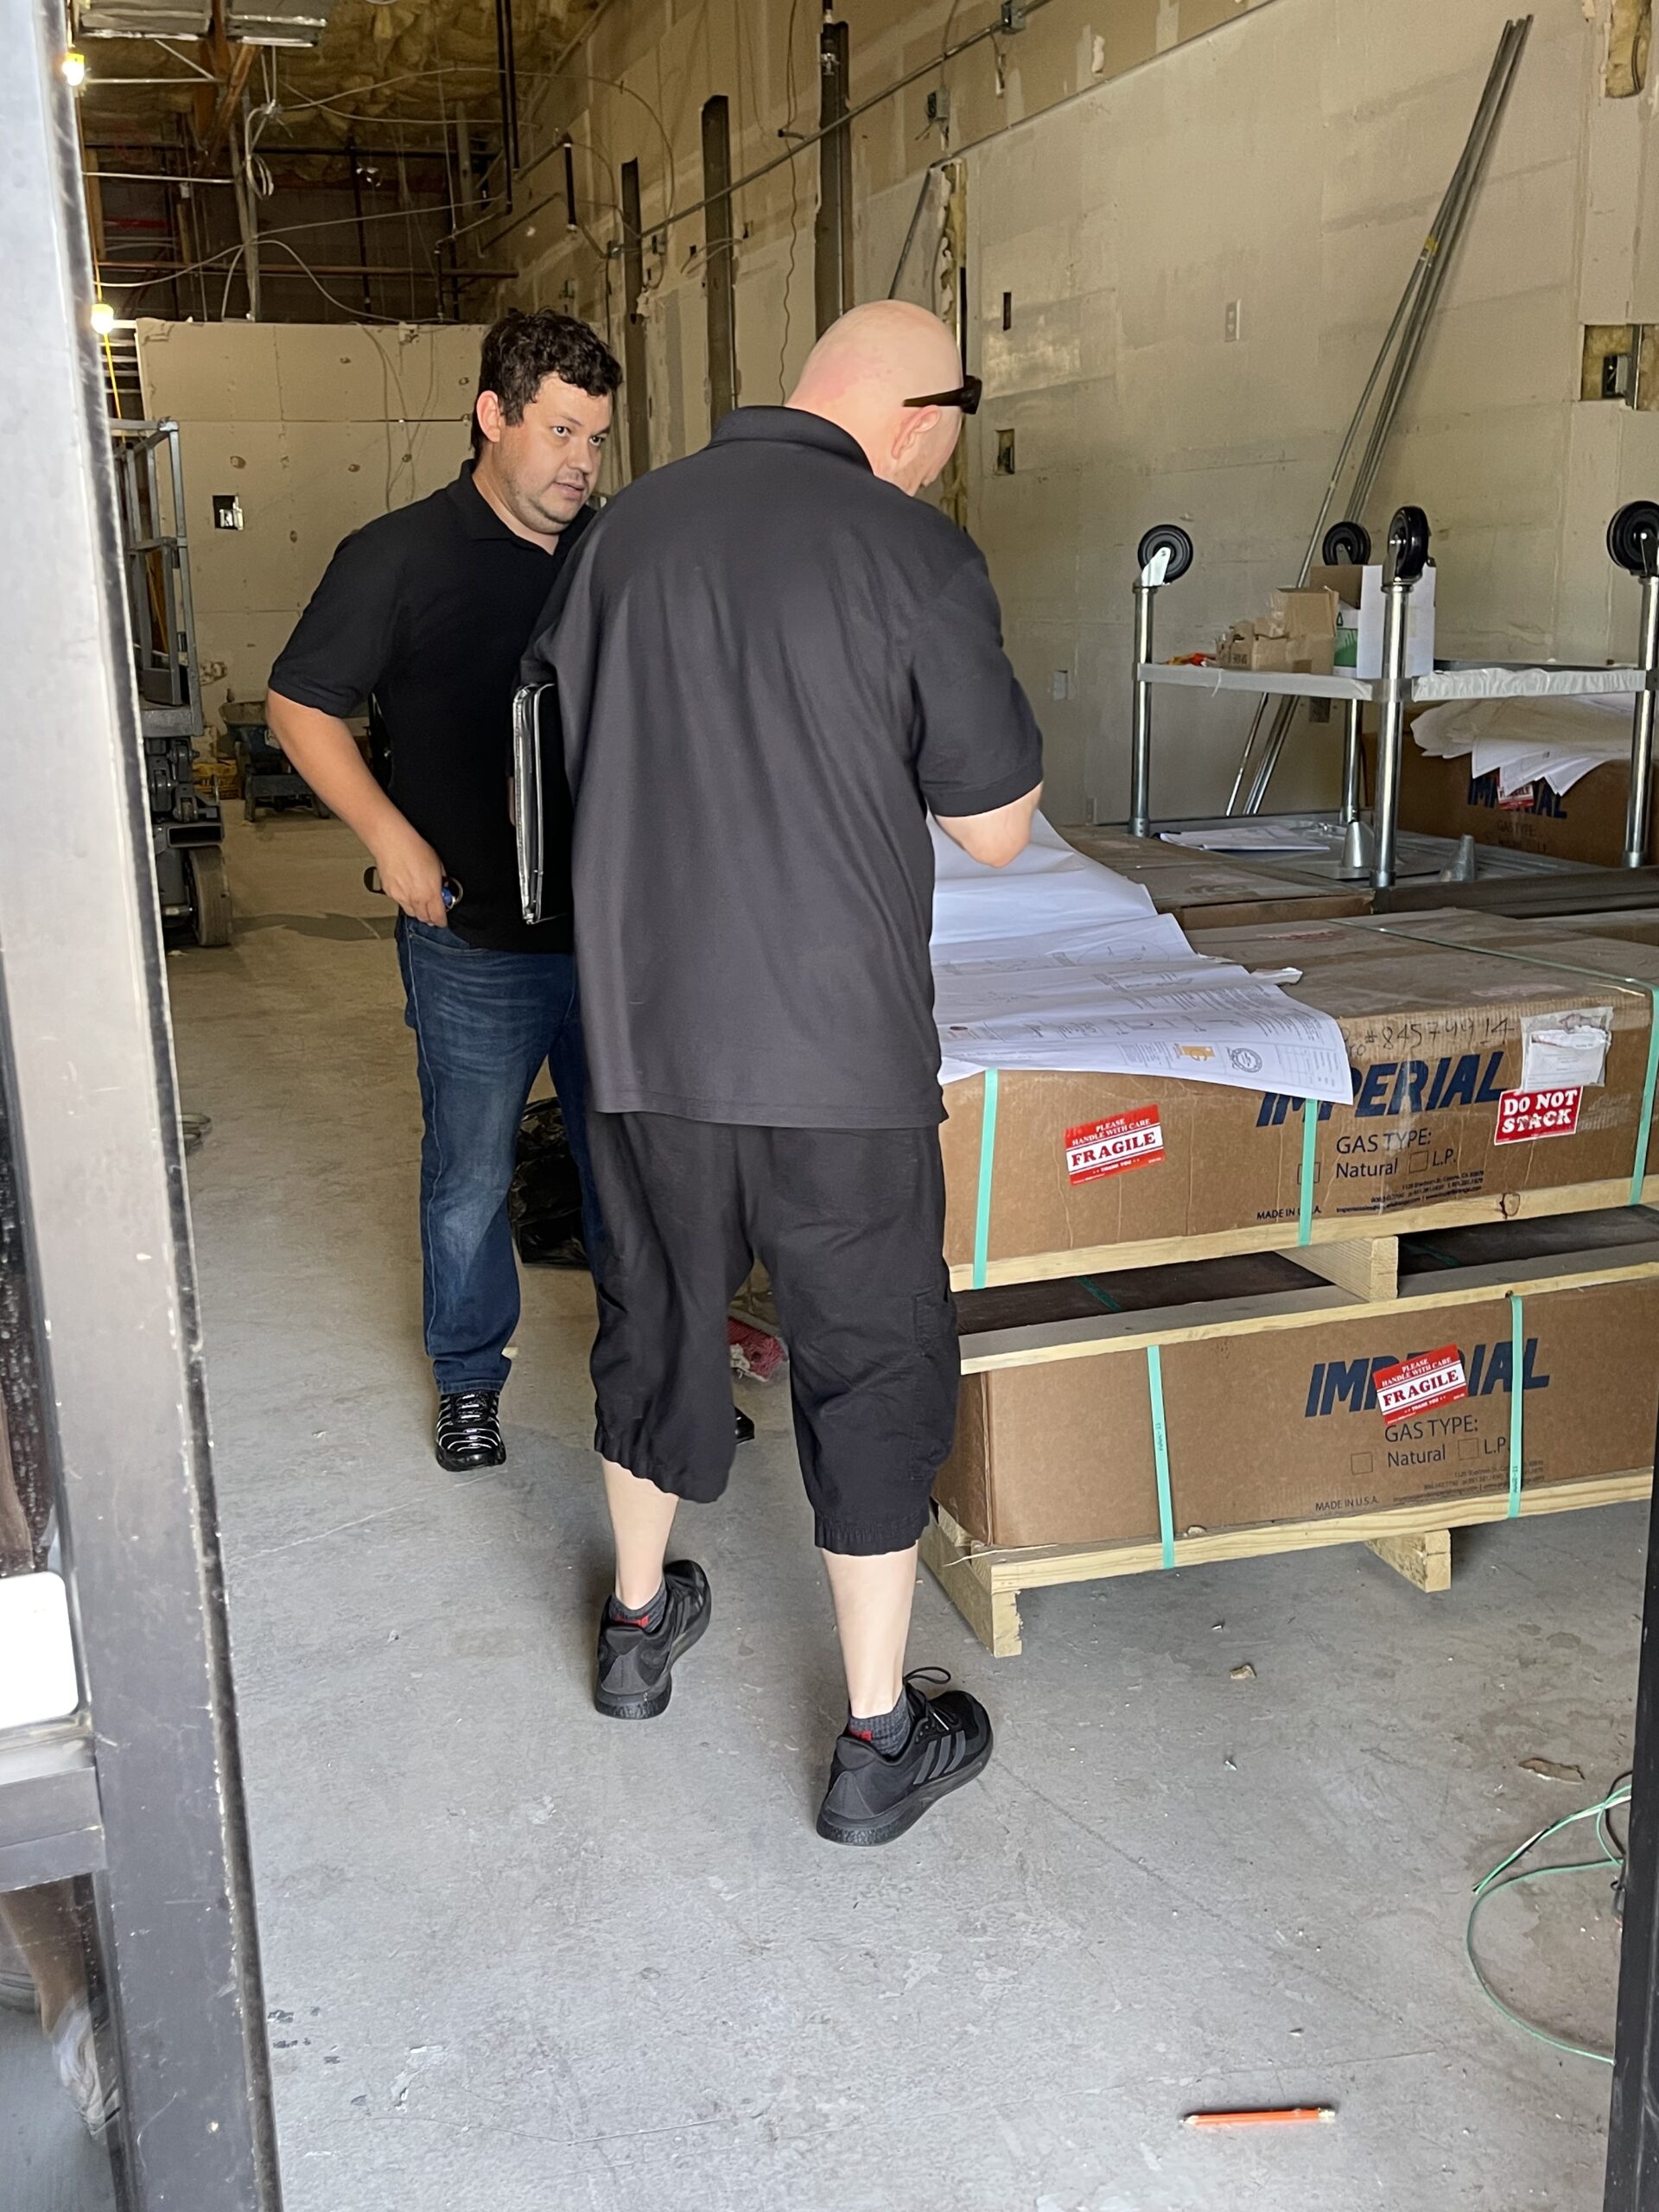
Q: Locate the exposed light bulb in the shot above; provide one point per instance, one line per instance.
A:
(72, 68)
(103, 318)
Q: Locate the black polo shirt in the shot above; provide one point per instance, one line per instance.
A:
(424, 613)
(771, 665)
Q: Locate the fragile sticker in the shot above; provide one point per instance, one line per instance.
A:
(1525, 1115)
(1418, 1385)
(1121, 1141)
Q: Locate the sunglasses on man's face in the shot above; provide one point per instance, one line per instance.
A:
(966, 396)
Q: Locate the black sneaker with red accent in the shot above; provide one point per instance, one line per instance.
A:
(635, 1680)
(874, 1797)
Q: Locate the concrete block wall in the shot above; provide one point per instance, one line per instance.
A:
(1290, 164)
(1131, 167)
(317, 428)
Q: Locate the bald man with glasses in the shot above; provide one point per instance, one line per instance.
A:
(773, 662)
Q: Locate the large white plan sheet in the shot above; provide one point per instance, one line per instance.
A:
(1049, 885)
(1525, 741)
(1057, 962)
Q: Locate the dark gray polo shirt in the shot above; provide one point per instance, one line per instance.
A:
(770, 665)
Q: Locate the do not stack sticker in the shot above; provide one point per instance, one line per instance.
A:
(1523, 1115)
(1418, 1385)
(1107, 1146)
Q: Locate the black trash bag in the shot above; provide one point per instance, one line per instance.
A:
(544, 1203)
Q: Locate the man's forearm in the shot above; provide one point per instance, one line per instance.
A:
(325, 752)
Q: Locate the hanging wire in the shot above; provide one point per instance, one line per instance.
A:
(615, 85)
(382, 85)
(277, 233)
(792, 153)
(352, 314)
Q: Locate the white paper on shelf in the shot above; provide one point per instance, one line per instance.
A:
(1257, 837)
(1060, 963)
(1541, 681)
(1528, 740)
(1519, 772)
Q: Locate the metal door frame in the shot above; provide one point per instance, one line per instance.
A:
(153, 1786)
(1632, 2173)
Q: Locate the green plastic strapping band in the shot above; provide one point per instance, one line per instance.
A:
(1160, 1452)
(1517, 1401)
(1644, 1132)
(1305, 1205)
(1650, 1085)
(987, 1165)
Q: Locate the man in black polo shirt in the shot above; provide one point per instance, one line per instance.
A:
(425, 613)
(771, 665)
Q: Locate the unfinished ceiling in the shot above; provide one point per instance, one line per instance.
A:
(406, 62)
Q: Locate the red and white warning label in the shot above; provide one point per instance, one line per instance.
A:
(1106, 1148)
(1417, 1386)
(1525, 1115)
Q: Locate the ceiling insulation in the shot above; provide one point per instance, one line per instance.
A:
(406, 62)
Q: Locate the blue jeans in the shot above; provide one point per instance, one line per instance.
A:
(483, 1023)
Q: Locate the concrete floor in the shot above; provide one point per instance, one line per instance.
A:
(518, 1958)
(49, 2161)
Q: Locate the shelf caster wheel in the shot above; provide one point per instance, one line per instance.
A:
(1165, 538)
(1408, 554)
(1633, 538)
(1347, 545)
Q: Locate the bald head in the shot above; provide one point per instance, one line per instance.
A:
(865, 367)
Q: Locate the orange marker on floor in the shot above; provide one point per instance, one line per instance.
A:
(1286, 2116)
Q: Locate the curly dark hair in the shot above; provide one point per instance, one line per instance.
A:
(522, 349)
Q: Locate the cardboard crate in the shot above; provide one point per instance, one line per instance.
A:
(1284, 1426)
(1623, 925)
(1441, 798)
(1441, 1027)
(1206, 890)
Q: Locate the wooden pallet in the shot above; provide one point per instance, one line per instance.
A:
(1363, 1269)
(985, 1584)
(1341, 1248)
(1372, 1288)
